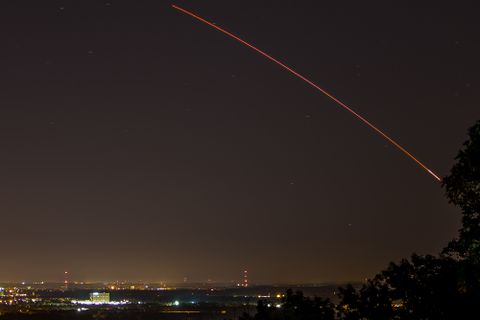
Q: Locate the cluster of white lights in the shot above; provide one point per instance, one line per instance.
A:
(96, 303)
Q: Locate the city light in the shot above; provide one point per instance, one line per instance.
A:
(89, 302)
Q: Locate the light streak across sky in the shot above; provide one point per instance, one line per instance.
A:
(314, 85)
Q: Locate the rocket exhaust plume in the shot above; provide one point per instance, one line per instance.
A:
(315, 86)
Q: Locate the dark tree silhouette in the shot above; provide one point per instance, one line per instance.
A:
(372, 301)
(428, 287)
(349, 307)
(463, 189)
(424, 288)
(446, 287)
(294, 306)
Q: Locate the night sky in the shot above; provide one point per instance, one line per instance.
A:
(139, 144)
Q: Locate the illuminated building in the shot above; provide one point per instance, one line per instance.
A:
(100, 297)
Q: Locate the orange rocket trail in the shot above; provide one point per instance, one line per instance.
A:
(314, 85)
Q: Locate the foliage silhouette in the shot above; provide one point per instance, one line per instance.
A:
(446, 287)
(463, 189)
(428, 287)
(294, 306)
